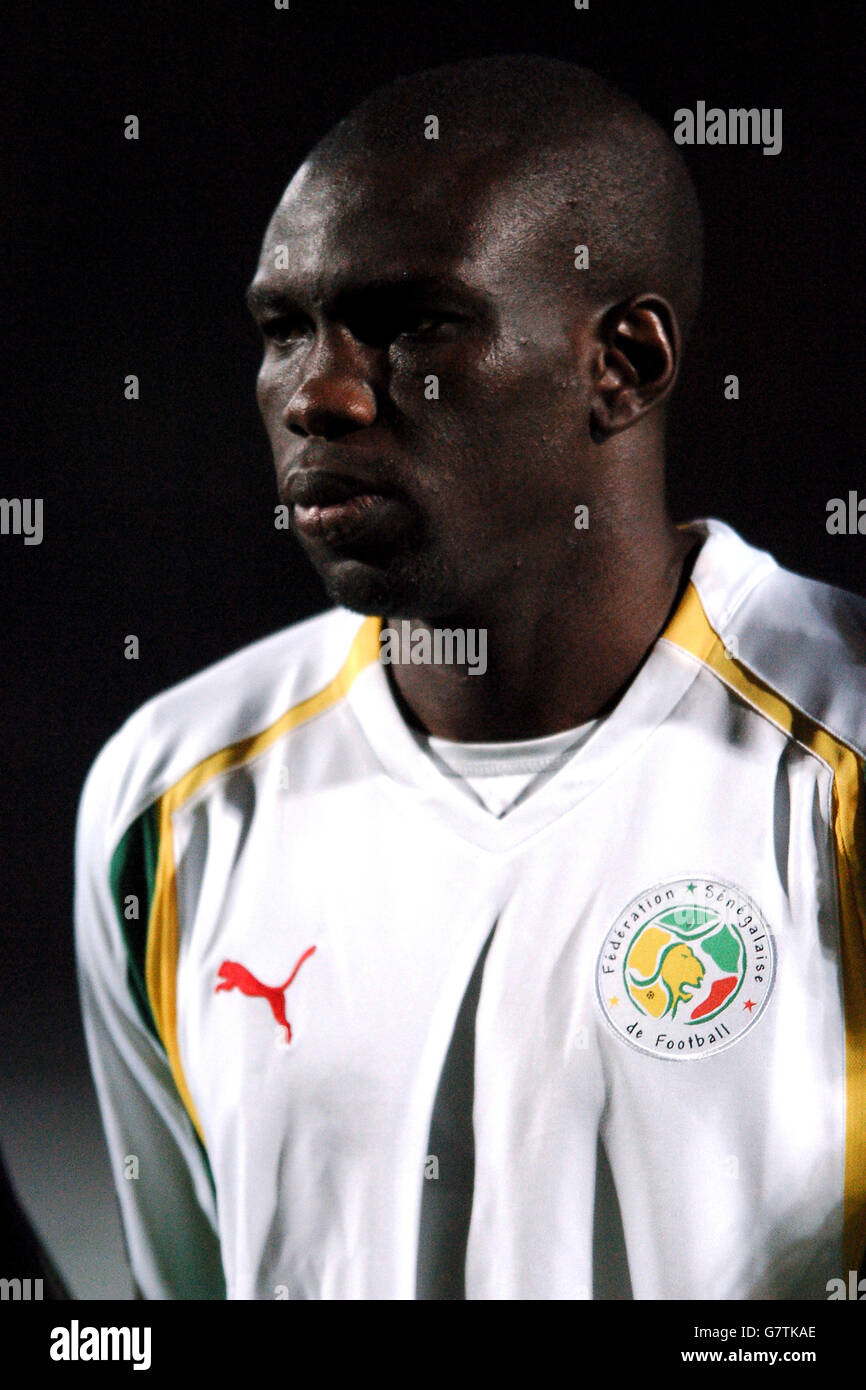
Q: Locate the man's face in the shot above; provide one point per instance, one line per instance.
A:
(424, 383)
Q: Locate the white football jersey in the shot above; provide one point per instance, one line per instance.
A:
(622, 1027)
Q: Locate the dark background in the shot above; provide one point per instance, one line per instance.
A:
(132, 257)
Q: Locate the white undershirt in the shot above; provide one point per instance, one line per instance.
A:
(501, 774)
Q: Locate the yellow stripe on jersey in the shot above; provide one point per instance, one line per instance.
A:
(691, 630)
(163, 936)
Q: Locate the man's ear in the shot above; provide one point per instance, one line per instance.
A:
(637, 361)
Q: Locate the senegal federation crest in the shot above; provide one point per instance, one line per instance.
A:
(686, 969)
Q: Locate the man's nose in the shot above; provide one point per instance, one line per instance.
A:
(335, 395)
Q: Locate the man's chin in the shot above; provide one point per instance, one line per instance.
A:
(404, 588)
(358, 587)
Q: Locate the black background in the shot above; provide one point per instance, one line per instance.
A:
(132, 257)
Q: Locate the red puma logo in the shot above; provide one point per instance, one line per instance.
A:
(236, 976)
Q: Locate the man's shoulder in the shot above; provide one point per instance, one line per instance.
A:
(234, 699)
(805, 640)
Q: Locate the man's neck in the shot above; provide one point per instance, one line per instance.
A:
(554, 659)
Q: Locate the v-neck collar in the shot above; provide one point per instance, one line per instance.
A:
(722, 568)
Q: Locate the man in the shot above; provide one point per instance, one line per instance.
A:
(506, 942)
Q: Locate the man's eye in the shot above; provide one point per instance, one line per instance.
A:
(382, 325)
(429, 325)
(283, 330)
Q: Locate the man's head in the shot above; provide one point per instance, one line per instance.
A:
(444, 378)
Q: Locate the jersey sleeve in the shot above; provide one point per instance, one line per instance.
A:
(160, 1169)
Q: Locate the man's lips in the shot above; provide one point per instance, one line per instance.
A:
(319, 487)
(337, 507)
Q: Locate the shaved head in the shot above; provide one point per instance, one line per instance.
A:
(470, 340)
(581, 159)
